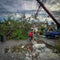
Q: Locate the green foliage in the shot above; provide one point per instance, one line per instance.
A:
(15, 29)
(57, 47)
(19, 34)
(42, 30)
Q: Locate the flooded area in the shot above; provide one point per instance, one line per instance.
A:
(19, 51)
(29, 29)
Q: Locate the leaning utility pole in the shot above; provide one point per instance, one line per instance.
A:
(42, 5)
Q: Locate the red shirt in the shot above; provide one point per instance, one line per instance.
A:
(31, 34)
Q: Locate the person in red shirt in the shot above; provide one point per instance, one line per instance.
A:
(30, 35)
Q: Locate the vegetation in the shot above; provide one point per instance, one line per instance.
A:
(42, 30)
(15, 29)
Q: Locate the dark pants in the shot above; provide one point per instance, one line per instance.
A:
(30, 38)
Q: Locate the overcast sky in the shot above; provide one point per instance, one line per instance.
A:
(17, 5)
(28, 6)
(21, 5)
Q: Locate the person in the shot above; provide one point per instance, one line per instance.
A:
(30, 35)
(50, 29)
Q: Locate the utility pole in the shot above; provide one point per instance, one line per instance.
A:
(42, 5)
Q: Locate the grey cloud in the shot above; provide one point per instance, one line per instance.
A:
(52, 1)
(56, 14)
(8, 6)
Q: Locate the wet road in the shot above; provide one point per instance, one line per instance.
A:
(45, 55)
